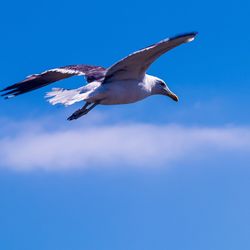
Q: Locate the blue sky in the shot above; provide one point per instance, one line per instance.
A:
(152, 175)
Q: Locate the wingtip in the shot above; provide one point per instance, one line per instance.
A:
(7, 88)
(190, 36)
(6, 97)
(194, 33)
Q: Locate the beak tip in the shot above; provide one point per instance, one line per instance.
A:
(174, 97)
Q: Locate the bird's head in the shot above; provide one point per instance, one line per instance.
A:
(160, 88)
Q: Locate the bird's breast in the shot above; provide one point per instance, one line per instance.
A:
(124, 92)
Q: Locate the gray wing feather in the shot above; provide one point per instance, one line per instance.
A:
(135, 65)
(36, 81)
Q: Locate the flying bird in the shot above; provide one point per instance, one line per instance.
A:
(124, 82)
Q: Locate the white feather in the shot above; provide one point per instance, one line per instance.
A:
(65, 97)
(67, 71)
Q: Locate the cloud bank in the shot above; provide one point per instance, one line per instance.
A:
(29, 145)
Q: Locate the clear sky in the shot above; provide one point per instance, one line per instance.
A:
(152, 175)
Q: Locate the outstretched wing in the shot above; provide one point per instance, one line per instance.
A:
(36, 81)
(135, 65)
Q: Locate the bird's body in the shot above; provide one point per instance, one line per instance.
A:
(122, 83)
(119, 92)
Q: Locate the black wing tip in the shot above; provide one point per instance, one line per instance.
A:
(9, 95)
(11, 87)
(3, 90)
(189, 35)
(10, 92)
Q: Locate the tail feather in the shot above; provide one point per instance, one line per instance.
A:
(65, 96)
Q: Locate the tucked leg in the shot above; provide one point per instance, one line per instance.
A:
(83, 111)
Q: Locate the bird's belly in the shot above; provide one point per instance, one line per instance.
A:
(123, 93)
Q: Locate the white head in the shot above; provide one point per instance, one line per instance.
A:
(159, 87)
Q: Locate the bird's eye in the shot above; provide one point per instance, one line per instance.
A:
(162, 84)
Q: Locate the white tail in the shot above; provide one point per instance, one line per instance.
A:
(64, 96)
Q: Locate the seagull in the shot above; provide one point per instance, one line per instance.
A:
(124, 82)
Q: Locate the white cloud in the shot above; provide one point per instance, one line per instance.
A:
(37, 145)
